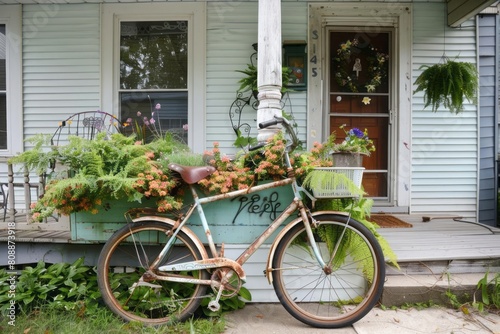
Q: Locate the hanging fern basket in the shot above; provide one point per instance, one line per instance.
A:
(449, 84)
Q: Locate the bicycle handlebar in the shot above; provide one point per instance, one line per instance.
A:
(288, 127)
(268, 123)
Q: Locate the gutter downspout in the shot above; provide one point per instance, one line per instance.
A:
(494, 10)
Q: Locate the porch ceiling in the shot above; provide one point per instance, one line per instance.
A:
(458, 10)
(461, 10)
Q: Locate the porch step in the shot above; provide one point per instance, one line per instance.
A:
(441, 267)
(400, 290)
(422, 282)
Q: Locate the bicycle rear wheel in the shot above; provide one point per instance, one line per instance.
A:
(346, 289)
(130, 294)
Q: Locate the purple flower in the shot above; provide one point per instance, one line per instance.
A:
(139, 114)
(158, 106)
(152, 121)
(356, 132)
(145, 119)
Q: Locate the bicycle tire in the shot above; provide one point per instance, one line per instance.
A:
(122, 262)
(329, 300)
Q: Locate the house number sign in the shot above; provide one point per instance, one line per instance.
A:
(314, 58)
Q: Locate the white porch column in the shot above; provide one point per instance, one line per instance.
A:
(269, 65)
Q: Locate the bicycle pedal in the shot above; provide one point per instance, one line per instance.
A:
(213, 306)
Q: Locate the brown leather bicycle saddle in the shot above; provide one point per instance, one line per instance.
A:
(192, 174)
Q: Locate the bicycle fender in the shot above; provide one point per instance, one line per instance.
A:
(171, 222)
(288, 227)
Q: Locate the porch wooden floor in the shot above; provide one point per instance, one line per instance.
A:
(442, 239)
(436, 240)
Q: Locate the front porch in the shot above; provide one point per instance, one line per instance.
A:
(438, 240)
(434, 256)
(437, 257)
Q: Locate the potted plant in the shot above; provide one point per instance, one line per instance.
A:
(249, 81)
(448, 83)
(342, 177)
(350, 152)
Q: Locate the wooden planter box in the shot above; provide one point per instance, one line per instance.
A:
(237, 221)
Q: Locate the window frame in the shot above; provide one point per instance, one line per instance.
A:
(194, 13)
(11, 16)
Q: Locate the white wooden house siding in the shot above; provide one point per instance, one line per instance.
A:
(488, 74)
(62, 75)
(60, 72)
(61, 64)
(231, 31)
(444, 146)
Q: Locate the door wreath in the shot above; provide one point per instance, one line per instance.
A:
(351, 58)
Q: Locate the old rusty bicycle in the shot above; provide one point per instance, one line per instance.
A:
(327, 269)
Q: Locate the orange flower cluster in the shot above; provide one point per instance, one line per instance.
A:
(263, 164)
(77, 197)
(228, 176)
(269, 165)
(155, 183)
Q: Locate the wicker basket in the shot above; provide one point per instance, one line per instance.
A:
(329, 190)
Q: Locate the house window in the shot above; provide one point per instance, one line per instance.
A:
(154, 76)
(3, 89)
(154, 55)
(11, 126)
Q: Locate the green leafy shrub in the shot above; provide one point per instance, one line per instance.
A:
(490, 292)
(73, 287)
(62, 285)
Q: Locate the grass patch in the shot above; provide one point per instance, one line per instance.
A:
(48, 320)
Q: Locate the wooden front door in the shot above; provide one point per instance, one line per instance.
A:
(359, 97)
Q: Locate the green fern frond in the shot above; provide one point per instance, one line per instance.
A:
(330, 234)
(118, 186)
(448, 84)
(360, 210)
(69, 188)
(40, 157)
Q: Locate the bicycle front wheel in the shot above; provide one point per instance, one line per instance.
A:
(127, 288)
(343, 291)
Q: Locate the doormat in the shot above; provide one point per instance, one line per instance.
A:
(388, 221)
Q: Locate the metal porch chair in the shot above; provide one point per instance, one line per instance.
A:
(86, 124)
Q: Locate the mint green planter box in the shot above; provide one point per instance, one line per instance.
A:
(237, 221)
